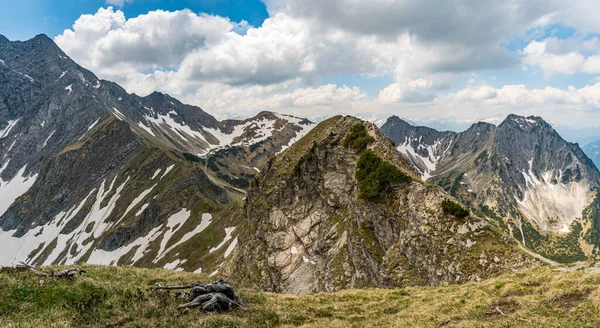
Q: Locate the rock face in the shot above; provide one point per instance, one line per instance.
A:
(309, 229)
(90, 173)
(521, 173)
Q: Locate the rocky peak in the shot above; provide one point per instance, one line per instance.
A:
(422, 145)
(526, 176)
(312, 226)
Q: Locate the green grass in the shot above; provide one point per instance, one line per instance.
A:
(124, 297)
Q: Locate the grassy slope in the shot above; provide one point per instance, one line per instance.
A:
(122, 296)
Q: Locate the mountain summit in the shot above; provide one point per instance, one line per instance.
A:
(341, 208)
(522, 173)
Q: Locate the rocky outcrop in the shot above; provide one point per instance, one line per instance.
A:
(309, 229)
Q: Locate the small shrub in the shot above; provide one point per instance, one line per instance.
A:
(358, 138)
(453, 208)
(191, 157)
(301, 161)
(375, 175)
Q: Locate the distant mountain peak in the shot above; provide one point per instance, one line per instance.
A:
(521, 173)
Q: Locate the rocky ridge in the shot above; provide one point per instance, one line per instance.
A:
(309, 229)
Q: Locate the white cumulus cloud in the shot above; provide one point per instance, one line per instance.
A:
(425, 46)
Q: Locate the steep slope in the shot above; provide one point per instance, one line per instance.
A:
(132, 209)
(341, 208)
(592, 150)
(537, 186)
(90, 173)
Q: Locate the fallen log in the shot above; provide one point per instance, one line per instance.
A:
(68, 273)
(192, 285)
(217, 296)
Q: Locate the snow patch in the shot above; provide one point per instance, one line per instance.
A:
(167, 171)
(173, 265)
(62, 75)
(16, 249)
(167, 124)
(93, 125)
(147, 129)
(17, 186)
(426, 164)
(156, 173)
(69, 88)
(174, 223)
(89, 128)
(11, 147)
(46, 141)
(4, 132)
(231, 247)
(305, 129)
(206, 220)
(136, 201)
(141, 210)
(119, 115)
(228, 232)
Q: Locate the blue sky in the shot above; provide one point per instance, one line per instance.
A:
(24, 19)
(426, 60)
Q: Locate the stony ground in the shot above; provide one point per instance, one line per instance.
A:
(124, 297)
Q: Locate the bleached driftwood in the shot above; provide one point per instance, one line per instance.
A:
(68, 273)
(217, 296)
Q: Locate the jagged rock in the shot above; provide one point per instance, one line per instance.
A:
(401, 239)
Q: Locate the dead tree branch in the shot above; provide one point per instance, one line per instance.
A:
(217, 296)
(69, 273)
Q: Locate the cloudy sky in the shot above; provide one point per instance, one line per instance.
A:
(426, 60)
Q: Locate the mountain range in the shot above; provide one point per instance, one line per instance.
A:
(538, 187)
(90, 173)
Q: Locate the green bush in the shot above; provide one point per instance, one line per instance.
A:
(358, 138)
(375, 175)
(191, 157)
(453, 208)
(301, 161)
